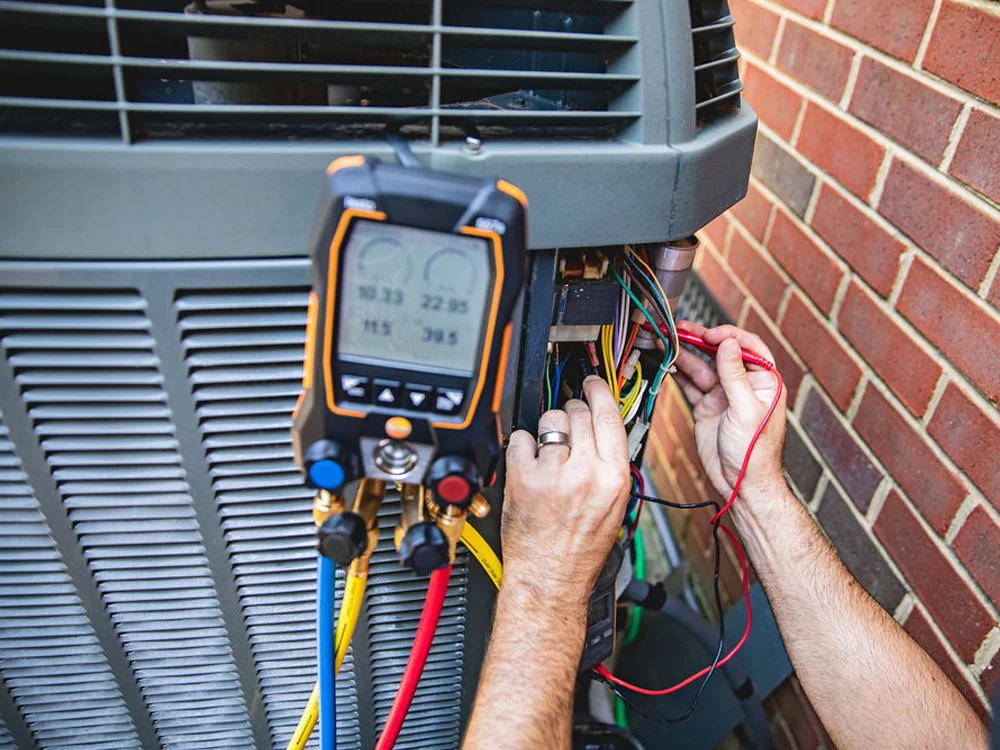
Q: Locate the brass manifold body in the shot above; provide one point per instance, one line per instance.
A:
(416, 506)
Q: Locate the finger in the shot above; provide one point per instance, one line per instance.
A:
(733, 376)
(552, 455)
(520, 452)
(609, 429)
(691, 327)
(749, 341)
(581, 430)
(691, 392)
(697, 370)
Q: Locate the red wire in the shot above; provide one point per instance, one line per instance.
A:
(604, 673)
(754, 359)
(418, 657)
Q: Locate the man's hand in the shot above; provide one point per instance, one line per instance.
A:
(729, 406)
(563, 508)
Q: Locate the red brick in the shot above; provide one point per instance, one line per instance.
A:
(965, 49)
(798, 714)
(978, 544)
(811, 8)
(841, 451)
(935, 491)
(755, 27)
(994, 295)
(832, 366)
(717, 279)
(716, 232)
(870, 250)
(920, 630)
(754, 212)
(903, 107)
(791, 372)
(963, 619)
(765, 284)
(896, 28)
(815, 60)
(813, 270)
(965, 331)
(959, 235)
(679, 419)
(970, 437)
(906, 368)
(842, 150)
(777, 105)
(977, 160)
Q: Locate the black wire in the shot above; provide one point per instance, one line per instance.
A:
(681, 506)
(718, 608)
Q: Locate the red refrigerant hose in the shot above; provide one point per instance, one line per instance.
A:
(418, 657)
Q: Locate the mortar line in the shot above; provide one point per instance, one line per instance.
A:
(955, 137)
(925, 40)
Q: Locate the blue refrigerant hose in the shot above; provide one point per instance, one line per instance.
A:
(326, 582)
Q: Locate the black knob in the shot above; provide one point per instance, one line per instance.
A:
(329, 465)
(343, 538)
(453, 480)
(424, 549)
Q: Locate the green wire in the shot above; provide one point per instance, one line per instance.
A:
(635, 616)
(634, 620)
(666, 344)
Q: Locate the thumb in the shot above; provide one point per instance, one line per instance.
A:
(733, 376)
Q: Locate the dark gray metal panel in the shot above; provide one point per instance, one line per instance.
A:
(73, 200)
(32, 459)
(713, 172)
(179, 400)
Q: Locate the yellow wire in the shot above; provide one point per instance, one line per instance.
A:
(350, 609)
(607, 335)
(633, 395)
(644, 264)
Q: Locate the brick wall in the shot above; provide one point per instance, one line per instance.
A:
(866, 254)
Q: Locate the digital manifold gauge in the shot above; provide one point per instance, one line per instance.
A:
(415, 276)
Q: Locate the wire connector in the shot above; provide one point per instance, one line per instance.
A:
(629, 370)
(636, 438)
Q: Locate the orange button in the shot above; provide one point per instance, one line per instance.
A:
(398, 428)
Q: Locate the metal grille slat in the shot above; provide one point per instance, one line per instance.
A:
(264, 508)
(716, 58)
(50, 658)
(130, 504)
(120, 69)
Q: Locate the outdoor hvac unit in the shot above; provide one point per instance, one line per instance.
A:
(160, 167)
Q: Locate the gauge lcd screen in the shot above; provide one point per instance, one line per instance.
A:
(413, 298)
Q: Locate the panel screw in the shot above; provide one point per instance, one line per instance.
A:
(473, 144)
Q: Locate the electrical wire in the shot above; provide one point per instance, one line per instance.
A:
(418, 657)
(717, 525)
(557, 383)
(326, 654)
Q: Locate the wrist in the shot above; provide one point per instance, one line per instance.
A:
(543, 590)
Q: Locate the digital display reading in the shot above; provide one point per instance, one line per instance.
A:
(413, 298)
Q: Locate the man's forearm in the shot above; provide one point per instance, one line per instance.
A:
(871, 685)
(525, 696)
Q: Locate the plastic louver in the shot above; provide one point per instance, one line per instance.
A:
(716, 71)
(88, 375)
(50, 658)
(171, 69)
(394, 605)
(244, 354)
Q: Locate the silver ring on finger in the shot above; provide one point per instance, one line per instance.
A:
(553, 437)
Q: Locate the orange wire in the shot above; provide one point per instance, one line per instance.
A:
(628, 351)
